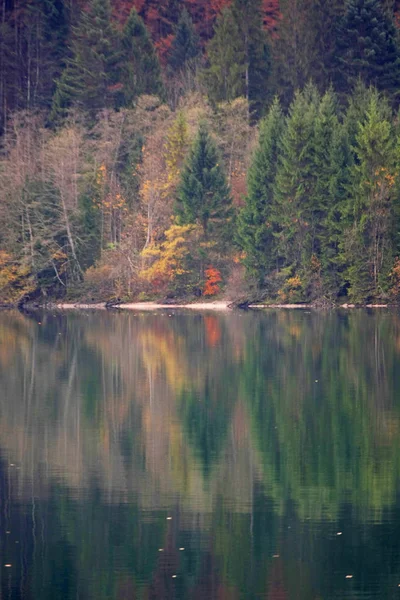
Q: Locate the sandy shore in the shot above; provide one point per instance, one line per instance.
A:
(221, 305)
(146, 306)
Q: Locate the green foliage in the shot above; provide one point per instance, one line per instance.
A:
(90, 73)
(141, 73)
(239, 56)
(368, 240)
(255, 230)
(225, 76)
(186, 45)
(367, 48)
(203, 193)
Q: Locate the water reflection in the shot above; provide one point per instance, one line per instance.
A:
(200, 456)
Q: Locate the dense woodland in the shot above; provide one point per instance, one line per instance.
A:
(178, 149)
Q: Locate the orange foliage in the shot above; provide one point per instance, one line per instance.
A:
(213, 278)
(213, 330)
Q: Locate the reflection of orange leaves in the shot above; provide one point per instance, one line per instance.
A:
(213, 278)
(213, 330)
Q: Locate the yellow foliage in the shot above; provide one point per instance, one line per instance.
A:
(290, 289)
(15, 281)
(169, 257)
(175, 148)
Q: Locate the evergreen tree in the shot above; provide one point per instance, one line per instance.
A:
(367, 48)
(332, 259)
(88, 78)
(255, 231)
(239, 58)
(203, 194)
(294, 48)
(141, 72)
(185, 48)
(295, 184)
(369, 239)
(32, 51)
(225, 76)
(249, 17)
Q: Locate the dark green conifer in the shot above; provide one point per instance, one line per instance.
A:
(141, 72)
(255, 229)
(88, 78)
(369, 239)
(239, 57)
(203, 194)
(367, 49)
(186, 45)
(295, 183)
(225, 76)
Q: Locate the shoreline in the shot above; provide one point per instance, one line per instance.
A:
(221, 305)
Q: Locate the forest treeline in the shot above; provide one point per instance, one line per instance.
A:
(184, 148)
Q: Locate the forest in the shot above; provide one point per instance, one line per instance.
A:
(168, 150)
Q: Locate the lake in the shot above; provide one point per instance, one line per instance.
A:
(174, 455)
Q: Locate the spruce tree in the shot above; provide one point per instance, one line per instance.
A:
(296, 177)
(225, 76)
(141, 72)
(203, 194)
(90, 72)
(239, 57)
(369, 240)
(255, 230)
(185, 48)
(249, 17)
(367, 49)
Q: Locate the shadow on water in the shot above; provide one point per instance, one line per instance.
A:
(200, 456)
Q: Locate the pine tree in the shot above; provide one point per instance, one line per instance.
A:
(255, 232)
(141, 72)
(203, 194)
(185, 48)
(225, 76)
(88, 78)
(367, 49)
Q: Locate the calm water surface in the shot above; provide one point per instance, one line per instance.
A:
(200, 456)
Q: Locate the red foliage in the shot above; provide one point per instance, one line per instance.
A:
(161, 16)
(271, 15)
(213, 278)
(204, 14)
